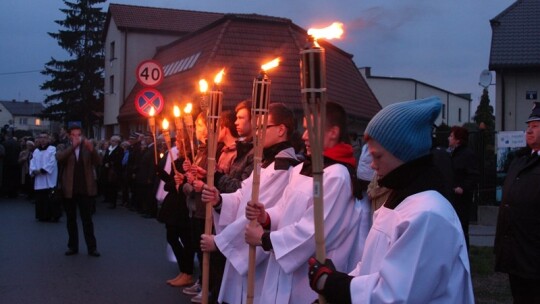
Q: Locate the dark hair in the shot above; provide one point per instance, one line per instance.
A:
(227, 120)
(74, 127)
(461, 134)
(337, 117)
(244, 104)
(282, 115)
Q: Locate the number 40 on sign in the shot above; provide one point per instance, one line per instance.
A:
(149, 73)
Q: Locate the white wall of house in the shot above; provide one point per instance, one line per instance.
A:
(517, 107)
(130, 48)
(5, 116)
(391, 90)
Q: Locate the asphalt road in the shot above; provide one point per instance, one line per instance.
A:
(133, 266)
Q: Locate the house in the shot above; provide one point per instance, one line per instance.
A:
(240, 43)
(515, 57)
(23, 115)
(132, 34)
(456, 109)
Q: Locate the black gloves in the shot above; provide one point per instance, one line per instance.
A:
(335, 286)
(318, 271)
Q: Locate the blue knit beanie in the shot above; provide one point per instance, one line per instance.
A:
(404, 128)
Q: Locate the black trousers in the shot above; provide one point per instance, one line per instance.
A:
(85, 206)
(183, 252)
(524, 291)
(462, 204)
(197, 228)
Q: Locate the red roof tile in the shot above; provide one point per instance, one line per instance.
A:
(240, 44)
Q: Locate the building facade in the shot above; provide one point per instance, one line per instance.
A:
(23, 115)
(456, 109)
(515, 57)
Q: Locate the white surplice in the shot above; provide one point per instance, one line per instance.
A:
(230, 224)
(293, 240)
(46, 160)
(415, 253)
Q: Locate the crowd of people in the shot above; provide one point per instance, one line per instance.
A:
(395, 209)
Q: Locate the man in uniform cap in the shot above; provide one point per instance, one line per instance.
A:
(415, 251)
(517, 239)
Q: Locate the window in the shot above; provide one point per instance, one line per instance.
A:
(459, 114)
(112, 52)
(111, 84)
(23, 121)
(443, 111)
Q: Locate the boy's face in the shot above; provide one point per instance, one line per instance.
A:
(328, 138)
(243, 123)
(383, 161)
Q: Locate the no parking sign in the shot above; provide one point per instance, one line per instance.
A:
(148, 98)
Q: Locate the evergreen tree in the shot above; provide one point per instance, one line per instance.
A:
(484, 112)
(77, 83)
(484, 144)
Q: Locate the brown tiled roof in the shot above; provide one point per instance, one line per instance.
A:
(515, 39)
(240, 44)
(142, 18)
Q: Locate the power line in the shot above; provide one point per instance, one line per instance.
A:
(19, 72)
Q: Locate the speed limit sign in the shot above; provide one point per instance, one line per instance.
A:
(149, 73)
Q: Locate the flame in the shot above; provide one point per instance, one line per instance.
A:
(203, 86)
(188, 108)
(270, 65)
(330, 32)
(219, 76)
(165, 124)
(176, 111)
(152, 112)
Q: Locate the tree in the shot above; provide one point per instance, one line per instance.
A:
(484, 145)
(77, 83)
(484, 113)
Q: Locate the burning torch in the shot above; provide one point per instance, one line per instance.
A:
(188, 121)
(179, 124)
(167, 136)
(259, 121)
(212, 121)
(152, 126)
(313, 82)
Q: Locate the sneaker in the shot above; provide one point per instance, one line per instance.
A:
(197, 298)
(193, 290)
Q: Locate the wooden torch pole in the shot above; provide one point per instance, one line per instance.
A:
(214, 111)
(259, 121)
(313, 81)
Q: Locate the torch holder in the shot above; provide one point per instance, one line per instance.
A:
(313, 82)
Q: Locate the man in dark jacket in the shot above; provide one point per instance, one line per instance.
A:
(517, 240)
(112, 170)
(79, 187)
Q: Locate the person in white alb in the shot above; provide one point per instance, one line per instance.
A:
(415, 251)
(290, 230)
(229, 208)
(44, 169)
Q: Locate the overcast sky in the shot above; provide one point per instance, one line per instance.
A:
(442, 43)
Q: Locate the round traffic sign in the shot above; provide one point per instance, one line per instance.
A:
(149, 73)
(148, 98)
